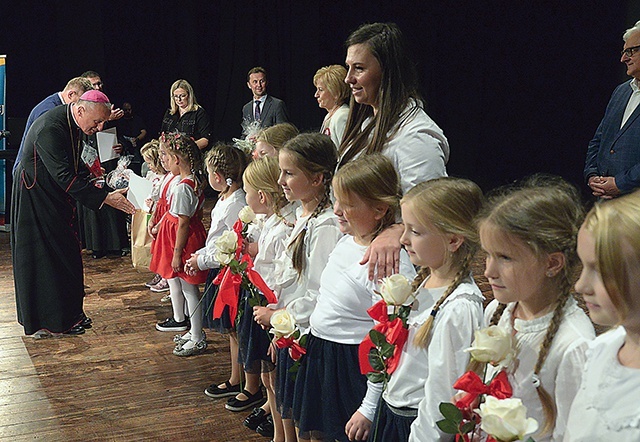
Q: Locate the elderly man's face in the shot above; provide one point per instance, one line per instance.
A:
(91, 118)
(632, 46)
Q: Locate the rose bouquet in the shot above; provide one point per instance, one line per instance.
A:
(287, 334)
(503, 418)
(237, 269)
(379, 352)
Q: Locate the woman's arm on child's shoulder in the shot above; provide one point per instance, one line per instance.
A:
(383, 255)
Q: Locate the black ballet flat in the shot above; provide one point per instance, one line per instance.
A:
(86, 322)
(75, 330)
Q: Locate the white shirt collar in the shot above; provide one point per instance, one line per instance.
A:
(634, 85)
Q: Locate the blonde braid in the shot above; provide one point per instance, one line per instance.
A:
(419, 279)
(422, 337)
(548, 404)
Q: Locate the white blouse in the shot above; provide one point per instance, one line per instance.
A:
(298, 295)
(425, 376)
(562, 371)
(272, 243)
(223, 215)
(606, 407)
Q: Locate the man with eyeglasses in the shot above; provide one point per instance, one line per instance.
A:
(612, 167)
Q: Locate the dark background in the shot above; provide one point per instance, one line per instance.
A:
(517, 86)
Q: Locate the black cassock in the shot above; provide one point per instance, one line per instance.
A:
(46, 251)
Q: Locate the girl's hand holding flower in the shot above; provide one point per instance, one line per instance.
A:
(262, 315)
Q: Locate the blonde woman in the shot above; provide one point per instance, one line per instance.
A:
(186, 116)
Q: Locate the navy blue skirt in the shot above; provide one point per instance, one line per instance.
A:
(253, 340)
(329, 389)
(284, 383)
(389, 426)
(223, 324)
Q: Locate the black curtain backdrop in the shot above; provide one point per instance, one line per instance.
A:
(518, 86)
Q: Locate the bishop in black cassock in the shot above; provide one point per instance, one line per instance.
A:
(46, 251)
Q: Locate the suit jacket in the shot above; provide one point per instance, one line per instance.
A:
(615, 151)
(48, 103)
(273, 112)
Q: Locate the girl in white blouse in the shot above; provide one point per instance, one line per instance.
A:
(332, 399)
(306, 166)
(606, 406)
(529, 234)
(440, 237)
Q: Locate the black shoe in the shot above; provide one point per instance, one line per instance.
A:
(172, 325)
(266, 428)
(257, 417)
(252, 400)
(75, 330)
(97, 254)
(228, 390)
(86, 321)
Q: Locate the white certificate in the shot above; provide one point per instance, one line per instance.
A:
(139, 190)
(106, 140)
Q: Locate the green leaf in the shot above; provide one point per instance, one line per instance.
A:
(451, 412)
(375, 360)
(376, 377)
(377, 338)
(303, 341)
(467, 427)
(530, 439)
(387, 350)
(448, 426)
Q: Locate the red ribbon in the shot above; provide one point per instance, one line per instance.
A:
(470, 382)
(228, 288)
(255, 279)
(394, 332)
(295, 349)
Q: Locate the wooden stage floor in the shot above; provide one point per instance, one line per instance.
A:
(117, 382)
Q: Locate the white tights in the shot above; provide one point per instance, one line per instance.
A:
(180, 290)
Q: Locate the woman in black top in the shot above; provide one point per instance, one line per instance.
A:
(186, 115)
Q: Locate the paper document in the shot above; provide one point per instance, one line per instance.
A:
(106, 140)
(139, 191)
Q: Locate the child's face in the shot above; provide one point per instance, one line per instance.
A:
(514, 271)
(426, 246)
(590, 285)
(255, 200)
(216, 181)
(264, 149)
(149, 162)
(169, 161)
(297, 185)
(356, 216)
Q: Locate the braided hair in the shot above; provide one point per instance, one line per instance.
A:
(313, 153)
(229, 161)
(450, 205)
(544, 212)
(184, 147)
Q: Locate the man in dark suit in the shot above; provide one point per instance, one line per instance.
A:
(264, 108)
(612, 166)
(70, 94)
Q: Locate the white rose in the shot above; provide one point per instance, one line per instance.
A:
(227, 242)
(395, 289)
(283, 324)
(223, 258)
(247, 215)
(494, 345)
(506, 419)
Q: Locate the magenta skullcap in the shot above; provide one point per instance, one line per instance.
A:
(95, 96)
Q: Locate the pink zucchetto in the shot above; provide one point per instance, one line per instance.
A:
(95, 96)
